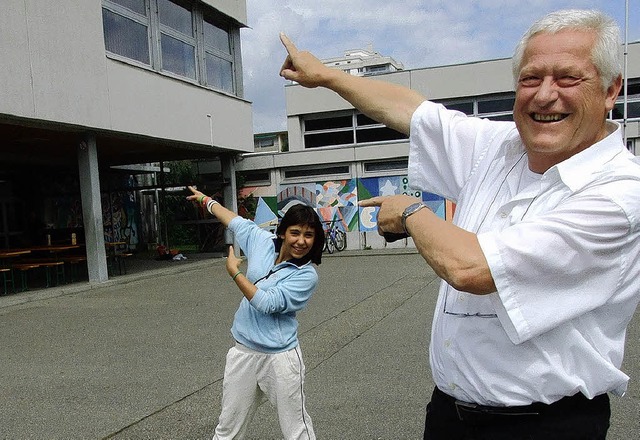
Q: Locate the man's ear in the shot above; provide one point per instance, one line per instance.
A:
(612, 93)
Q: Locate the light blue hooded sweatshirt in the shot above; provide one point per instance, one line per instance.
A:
(268, 322)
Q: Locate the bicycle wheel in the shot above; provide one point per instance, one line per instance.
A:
(341, 240)
(330, 243)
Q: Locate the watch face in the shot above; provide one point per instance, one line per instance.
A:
(412, 208)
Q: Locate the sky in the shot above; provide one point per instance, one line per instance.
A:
(417, 33)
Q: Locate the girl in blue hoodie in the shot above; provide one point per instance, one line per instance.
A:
(279, 280)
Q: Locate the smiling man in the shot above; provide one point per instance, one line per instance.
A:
(540, 264)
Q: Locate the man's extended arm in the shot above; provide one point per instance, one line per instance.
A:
(387, 103)
(453, 253)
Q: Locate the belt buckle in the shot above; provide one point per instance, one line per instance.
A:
(464, 406)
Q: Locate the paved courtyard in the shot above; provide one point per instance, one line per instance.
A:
(142, 356)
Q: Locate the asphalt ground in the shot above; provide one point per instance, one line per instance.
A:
(142, 356)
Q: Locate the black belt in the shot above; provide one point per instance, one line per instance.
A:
(474, 413)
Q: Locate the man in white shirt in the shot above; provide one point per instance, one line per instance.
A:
(539, 265)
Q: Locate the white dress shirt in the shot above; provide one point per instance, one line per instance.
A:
(563, 249)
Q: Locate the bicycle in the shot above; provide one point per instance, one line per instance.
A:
(334, 238)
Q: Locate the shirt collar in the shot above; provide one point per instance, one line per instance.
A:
(578, 170)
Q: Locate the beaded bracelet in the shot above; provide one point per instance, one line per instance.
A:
(233, 278)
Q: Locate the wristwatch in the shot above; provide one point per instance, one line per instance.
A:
(410, 210)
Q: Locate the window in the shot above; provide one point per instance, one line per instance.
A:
(316, 171)
(256, 178)
(218, 54)
(329, 130)
(368, 130)
(181, 37)
(265, 142)
(633, 103)
(498, 108)
(329, 123)
(495, 105)
(465, 107)
(389, 165)
(126, 31)
(375, 70)
(177, 40)
(346, 129)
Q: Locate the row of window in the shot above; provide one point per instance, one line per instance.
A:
(263, 177)
(346, 128)
(182, 37)
(501, 108)
(353, 128)
(497, 109)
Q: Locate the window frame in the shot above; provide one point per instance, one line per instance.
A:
(385, 166)
(258, 181)
(134, 16)
(632, 99)
(314, 173)
(476, 102)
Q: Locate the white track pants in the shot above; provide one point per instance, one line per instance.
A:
(249, 376)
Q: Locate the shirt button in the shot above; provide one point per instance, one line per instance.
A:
(503, 215)
(452, 386)
(447, 343)
(461, 297)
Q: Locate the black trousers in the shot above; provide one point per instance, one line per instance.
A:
(571, 418)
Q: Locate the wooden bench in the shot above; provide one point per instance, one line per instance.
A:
(74, 262)
(7, 278)
(23, 269)
(53, 269)
(57, 267)
(120, 260)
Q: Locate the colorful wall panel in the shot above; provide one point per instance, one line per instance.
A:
(337, 200)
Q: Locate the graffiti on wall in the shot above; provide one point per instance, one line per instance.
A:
(337, 200)
(118, 213)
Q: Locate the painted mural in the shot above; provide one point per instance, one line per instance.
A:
(337, 202)
(334, 200)
(118, 214)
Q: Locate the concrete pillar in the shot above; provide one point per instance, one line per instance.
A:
(92, 209)
(230, 193)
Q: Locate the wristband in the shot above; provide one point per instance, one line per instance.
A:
(201, 198)
(210, 203)
(233, 278)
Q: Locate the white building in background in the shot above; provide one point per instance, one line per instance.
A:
(364, 62)
(90, 86)
(333, 147)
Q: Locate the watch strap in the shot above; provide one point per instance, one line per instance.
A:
(390, 237)
(409, 211)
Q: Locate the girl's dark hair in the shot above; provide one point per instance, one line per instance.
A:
(305, 215)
